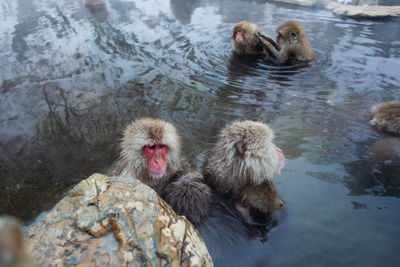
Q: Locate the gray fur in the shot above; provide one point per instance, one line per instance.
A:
(228, 170)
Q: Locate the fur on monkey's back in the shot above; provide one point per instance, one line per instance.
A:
(228, 171)
(188, 195)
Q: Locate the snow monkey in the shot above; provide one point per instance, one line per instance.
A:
(244, 40)
(151, 152)
(243, 156)
(254, 199)
(291, 43)
(386, 117)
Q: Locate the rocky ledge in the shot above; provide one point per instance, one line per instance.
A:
(353, 8)
(114, 221)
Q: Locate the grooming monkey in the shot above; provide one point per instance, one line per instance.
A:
(151, 152)
(244, 40)
(291, 43)
(243, 161)
(386, 117)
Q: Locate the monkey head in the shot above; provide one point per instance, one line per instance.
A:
(243, 38)
(151, 150)
(263, 197)
(289, 32)
(386, 117)
(244, 154)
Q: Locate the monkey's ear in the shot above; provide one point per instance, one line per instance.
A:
(241, 146)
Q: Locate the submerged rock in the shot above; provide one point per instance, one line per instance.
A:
(115, 221)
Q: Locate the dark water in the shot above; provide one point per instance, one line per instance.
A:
(72, 77)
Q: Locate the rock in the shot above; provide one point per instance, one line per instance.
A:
(372, 11)
(299, 2)
(114, 221)
(12, 252)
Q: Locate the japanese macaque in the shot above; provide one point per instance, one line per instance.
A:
(261, 198)
(244, 154)
(151, 152)
(291, 43)
(244, 40)
(386, 117)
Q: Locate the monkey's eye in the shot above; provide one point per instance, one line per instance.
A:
(148, 149)
(163, 148)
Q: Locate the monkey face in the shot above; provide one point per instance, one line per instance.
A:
(155, 158)
(150, 150)
(238, 35)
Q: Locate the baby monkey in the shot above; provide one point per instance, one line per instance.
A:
(386, 117)
(258, 201)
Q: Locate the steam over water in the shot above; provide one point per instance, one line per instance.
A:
(72, 77)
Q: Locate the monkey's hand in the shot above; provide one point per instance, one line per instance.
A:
(266, 40)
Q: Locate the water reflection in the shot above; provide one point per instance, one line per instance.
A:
(71, 77)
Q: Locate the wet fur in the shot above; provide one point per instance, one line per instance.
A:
(263, 197)
(386, 117)
(189, 195)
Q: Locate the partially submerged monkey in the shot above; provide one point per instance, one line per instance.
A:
(151, 152)
(244, 40)
(291, 43)
(386, 117)
(255, 199)
(243, 161)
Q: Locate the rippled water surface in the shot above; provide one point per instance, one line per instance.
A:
(71, 77)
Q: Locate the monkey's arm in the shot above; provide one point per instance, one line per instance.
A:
(189, 195)
(261, 36)
(271, 49)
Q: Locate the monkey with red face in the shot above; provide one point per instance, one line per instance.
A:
(151, 152)
(244, 40)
